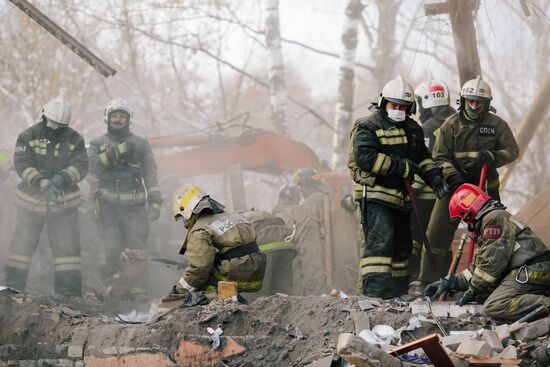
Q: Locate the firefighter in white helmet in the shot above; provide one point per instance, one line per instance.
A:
(128, 196)
(470, 138)
(386, 148)
(433, 98)
(50, 157)
(220, 246)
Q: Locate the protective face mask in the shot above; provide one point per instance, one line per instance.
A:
(397, 115)
(474, 114)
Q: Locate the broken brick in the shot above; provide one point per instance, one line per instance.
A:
(226, 290)
(474, 348)
(492, 338)
(134, 360)
(193, 354)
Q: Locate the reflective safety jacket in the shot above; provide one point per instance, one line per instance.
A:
(376, 145)
(430, 128)
(271, 232)
(42, 152)
(505, 245)
(460, 141)
(210, 241)
(129, 180)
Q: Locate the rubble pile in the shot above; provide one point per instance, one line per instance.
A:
(279, 330)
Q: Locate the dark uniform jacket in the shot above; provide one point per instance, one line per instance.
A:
(210, 238)
(377, 145)
(505, 244)
(460, 141)
(42, 152)
(430, 128)
(128, 180)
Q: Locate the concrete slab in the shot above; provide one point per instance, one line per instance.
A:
(474, 348)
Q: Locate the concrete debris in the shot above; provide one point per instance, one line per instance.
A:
(444, 308)
(360, 353)
(360, 321)
(474, 348)
(323, 362)
(70, 312)
(533, 329)
(503, 333)
(367, 305)
(134, 317)
(493, 340)
(510, 352)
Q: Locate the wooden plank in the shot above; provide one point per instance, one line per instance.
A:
(487, 362)
(431, 346)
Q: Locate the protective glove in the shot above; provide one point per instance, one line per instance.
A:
(468, 297)
(436, 181)
(348, 203)
(153, 211)
(404, 167)
(443, 286)
(485, 157)
(58, 181)
(454, 182)
(53, 194)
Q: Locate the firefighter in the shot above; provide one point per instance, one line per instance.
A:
(128, 194)
(432, 96)
(220, 246)
(309, 182)
(467, 140)
(386, 148)
(511, 271)
(50, 157)
(275, 240)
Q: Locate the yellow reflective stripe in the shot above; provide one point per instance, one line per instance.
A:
(73, 173)
(267, 247)
(400, 273)
(400, 264)
(112, 195)
(394, 140)
(379, 260)
(382, 193)
(425, 162)
(447, 165)
(19, 261)
(514, 304)
(67, 260)
(390, 132)
(406, 173)
(535, 275)
(241, 285)
(29, 174)
(56, 150)
(134, 165)
(466, 154)
(104, 160)
(467, 274)
(375, 269)
(484, 275)
(438, 251)
(378, 163)
(68, 267)
(188, 196)
(71, 147)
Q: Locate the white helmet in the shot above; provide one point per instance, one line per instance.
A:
(57, 110)
(117, 104)
(186, 200)
(476, 89)
(433, 93)
(397, 91)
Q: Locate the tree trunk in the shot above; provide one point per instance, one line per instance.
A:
(344, 102)
(276, 73)
(384, 54)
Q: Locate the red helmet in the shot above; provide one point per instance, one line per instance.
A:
(466, 202)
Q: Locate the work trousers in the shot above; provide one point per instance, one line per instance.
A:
(124, 226)
(64, 238)
(513, 299)
(384, 264)
(278, 271)
(441, 231)
(425, 207)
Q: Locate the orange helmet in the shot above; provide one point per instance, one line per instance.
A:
(466, 202)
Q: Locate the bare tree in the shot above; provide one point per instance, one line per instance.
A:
(344, 100)
(276, 71)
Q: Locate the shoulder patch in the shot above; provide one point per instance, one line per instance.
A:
(492, 231)
(222, 225)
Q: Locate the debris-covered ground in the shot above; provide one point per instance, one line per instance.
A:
(276, 330)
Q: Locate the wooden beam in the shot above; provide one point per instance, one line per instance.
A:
(51, 27)
(431, 346)
(236, 184)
